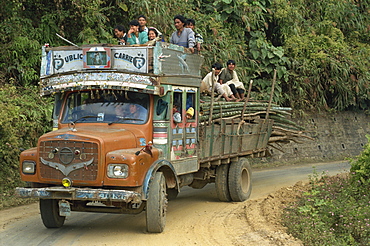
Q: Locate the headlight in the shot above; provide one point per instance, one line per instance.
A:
(118, 171)
(28, 167)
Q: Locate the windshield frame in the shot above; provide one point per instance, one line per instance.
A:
(106, 106)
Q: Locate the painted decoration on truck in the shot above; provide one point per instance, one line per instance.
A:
(135, 60)
(97, 58)
(103, 80)
(63, 61)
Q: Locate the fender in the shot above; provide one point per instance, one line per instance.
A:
(168, 171)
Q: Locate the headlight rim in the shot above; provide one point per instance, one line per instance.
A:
(29, 163)
(111, 171)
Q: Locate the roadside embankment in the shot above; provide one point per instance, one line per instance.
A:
(336, 136)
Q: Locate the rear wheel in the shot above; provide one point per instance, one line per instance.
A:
(221, 182)
(240, 185)
(49, 209)
(156, 205)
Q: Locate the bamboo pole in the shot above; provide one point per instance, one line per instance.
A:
(248, 96)
(212, 97)
(272, 94)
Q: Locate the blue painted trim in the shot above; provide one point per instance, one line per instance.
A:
(151, 172)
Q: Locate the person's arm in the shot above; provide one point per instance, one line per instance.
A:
(191, 39)
(199, 40)
(221, 76)
(171, 39)
(131, 38)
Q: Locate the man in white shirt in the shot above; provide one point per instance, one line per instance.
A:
(224, 90)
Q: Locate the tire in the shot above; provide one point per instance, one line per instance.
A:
(240, 185)
(49, 209)
(221, 182)
(156, 205)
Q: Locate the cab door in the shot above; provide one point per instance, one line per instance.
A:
(184, 134)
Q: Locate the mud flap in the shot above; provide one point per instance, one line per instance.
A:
(64, 208)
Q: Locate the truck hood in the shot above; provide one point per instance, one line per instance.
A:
(112, 138)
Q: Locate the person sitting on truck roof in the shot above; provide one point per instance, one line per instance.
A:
(142, 22)
(153, 35)
(229, 76)
(183, 36)
(134, 36)
(190, 23)
(120, 33)
(224, 90)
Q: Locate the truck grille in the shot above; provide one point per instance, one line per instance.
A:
(74, 159)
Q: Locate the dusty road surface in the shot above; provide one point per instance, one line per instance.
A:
(196, 217)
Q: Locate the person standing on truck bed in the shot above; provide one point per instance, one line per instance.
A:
(224, 90)
(134, 36)
(229, 76)
(183, 36)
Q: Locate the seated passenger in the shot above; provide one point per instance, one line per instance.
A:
(183, 36)
(131, 113)
(134, 36)
(229, 76)
(120, 111)
(223, 90)
(137, 113)
(176, 113)
(190, 113)
(120, 33)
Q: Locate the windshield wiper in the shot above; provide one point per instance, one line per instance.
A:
(86, 117)
(120, 118)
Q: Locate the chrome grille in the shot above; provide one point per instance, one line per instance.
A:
(79, 158)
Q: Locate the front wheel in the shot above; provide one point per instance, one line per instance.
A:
(156, 205)
(240, 185)
(49, 209)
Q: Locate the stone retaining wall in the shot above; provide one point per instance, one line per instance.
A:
(336, 136)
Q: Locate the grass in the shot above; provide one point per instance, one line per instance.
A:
(336, 211)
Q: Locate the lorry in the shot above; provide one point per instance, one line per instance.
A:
(115, 147)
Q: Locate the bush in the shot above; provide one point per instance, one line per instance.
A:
(24, 117)
(336, 210)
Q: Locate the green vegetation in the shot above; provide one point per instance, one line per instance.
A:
(320, 50)
(336, 210)
(24, 117)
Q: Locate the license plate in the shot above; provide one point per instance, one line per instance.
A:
(64, 208)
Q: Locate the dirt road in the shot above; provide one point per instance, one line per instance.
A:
(196, 217)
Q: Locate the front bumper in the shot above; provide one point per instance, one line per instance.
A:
(79, 194)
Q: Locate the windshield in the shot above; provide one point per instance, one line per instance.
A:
(106, 106)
